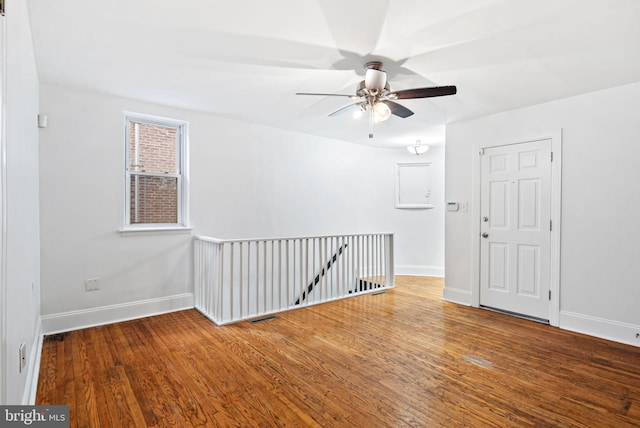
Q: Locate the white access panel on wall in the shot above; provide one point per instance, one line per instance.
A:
(516, 228)
(413, 189)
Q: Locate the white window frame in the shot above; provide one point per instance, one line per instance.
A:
(182, 175)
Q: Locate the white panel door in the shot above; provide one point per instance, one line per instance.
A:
(516, 228)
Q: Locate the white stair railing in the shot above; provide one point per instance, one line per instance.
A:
(238, 279)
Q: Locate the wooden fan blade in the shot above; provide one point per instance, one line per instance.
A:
(397, 109)
(345, 109)
(325, 95)
(434, 91)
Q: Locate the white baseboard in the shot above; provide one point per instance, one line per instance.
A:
(33, 368)
(455, 295)
(599, 327)
(418, 270)
(75, 320)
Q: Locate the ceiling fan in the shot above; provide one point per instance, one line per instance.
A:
(374, 94)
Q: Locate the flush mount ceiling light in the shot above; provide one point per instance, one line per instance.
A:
(417, 148)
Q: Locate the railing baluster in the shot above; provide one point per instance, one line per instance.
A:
(218, 279)
(264, 278)
(257, 286)
(248, 264)
(211, 281)
(231, 282)
(354, 263)
(355, 259)
(370, 260)
(286, 269)
(383, 259)
(279, 276)
(313, 266)
(196, 273)
(338, 253)
(378, 262)
(347, 278)
(201, 269)
(322, 257)
(209, 294)
(360, 262)
(334, 266)
(346, 249)
(303, 273)
(382, 278)
(340, 269)
(390, 269)
(372, 267)
(361, 271)
(376, 258)
(238, 287)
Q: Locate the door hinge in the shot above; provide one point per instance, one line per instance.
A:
(549, 294)
(481, 152)
(550, 225)
(551, 156)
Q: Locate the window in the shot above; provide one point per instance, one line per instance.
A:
(156, 179)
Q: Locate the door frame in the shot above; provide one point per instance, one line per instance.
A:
(556, 205)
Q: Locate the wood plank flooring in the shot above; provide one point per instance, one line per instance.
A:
(402, 358)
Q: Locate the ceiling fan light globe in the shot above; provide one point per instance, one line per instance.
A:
(381, 112)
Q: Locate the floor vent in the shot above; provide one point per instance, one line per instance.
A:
(271, 318)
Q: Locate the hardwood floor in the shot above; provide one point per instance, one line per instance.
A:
(403, 358)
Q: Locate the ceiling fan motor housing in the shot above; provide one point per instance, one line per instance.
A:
(375, 80)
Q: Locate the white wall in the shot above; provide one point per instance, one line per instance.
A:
(22, 304)
(419, 233)
(246, 181)
(599, 290)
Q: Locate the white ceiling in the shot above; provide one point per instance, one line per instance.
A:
(246, 59)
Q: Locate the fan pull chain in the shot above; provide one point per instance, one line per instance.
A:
(371, 122)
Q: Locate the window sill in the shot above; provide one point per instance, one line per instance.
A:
(155, 230)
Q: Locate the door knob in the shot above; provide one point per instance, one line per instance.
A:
(485, 235)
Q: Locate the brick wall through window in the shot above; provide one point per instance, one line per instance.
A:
(153, 149)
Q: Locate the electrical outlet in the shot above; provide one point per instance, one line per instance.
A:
(22, 354)
(92, 284)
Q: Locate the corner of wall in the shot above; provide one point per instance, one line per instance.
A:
(454, 295)
(33, 367)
